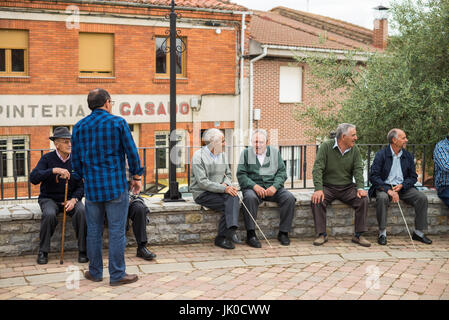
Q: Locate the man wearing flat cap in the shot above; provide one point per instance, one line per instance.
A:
(51, 172)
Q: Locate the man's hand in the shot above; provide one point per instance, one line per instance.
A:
(261, 192)
(394, 195)
(398, 188)
(270, 191)
(361, 193)
(231, 190)
(318, 196)
(70, 204)
(61, 173)
(136, 186)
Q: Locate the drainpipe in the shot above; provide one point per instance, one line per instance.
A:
(251, 90)
(242, 52)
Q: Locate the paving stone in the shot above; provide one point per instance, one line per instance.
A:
(268, 261)
(166, 267)
(219, 264)
(365, 256)
(10, 282)
(51, 278)
(318, 258)
(411, 254)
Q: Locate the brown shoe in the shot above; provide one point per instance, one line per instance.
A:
(320, 240)
(361, 241)
(128, 278)
(88, 276)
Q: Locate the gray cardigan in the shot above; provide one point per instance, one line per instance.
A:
(208, 174)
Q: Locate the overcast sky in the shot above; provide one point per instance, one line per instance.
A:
(359, 12)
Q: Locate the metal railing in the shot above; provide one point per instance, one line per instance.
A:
(16, 166)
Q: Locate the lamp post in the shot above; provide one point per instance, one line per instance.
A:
(173, 193)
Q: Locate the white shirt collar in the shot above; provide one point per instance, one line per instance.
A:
(336, 145)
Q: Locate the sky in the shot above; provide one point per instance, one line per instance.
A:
(359, 12)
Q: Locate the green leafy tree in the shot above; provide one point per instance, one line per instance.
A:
(407, 86)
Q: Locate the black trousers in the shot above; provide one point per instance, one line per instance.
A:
(50, 209)
(223, 202)
(137, 213)
(282, 197)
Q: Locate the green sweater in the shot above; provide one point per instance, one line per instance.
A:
(250, 172)
(208, 174)
(331, 167)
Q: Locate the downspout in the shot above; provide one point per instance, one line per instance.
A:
(242, 53)
(251, 90)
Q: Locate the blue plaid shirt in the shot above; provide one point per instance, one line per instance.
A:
(441, 159)
(99, 144)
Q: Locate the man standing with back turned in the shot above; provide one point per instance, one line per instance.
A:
(99, 144)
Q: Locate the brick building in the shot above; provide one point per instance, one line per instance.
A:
(53, 52)
(278, 83)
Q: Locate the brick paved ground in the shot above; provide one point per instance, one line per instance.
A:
(337, 270)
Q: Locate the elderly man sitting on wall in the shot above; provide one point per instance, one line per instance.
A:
(211, 186)
(261, 174)
(393, 177)
(51, 172)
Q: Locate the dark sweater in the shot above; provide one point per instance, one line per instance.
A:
(250, 172)
(43, 174)
(332, 168)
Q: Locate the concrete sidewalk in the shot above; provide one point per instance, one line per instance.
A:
(337, 270)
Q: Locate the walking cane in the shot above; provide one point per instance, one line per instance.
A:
(408, 230)
(61, 260)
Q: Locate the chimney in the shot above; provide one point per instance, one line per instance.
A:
(380, 33)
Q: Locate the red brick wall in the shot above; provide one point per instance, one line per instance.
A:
(276, 115)
(53, 61)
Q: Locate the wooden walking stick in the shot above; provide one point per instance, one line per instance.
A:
(61, 261)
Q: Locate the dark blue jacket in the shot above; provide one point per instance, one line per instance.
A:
(380, 169)
(43, 174)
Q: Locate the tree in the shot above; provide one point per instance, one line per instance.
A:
(407, 86)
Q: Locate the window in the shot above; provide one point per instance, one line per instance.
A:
(286, 153)
(163, 57)
(14, 160)
(290, 84)
(13, 52)
(135, 131)
(96, 54)
(162, 144)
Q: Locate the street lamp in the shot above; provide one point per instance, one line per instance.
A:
(173, 193)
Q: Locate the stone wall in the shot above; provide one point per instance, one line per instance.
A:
(187, 222)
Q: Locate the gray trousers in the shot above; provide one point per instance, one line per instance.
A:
(282, 197)
(413, 197)
(49, 222)
(223, 202)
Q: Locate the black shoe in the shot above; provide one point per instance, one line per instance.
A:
(423, 239)
(224, 243)
(283, 239)
(382, 240)
(143, 252)
(236, 239)
(82, 257)
(253, 242)
(42, 257)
